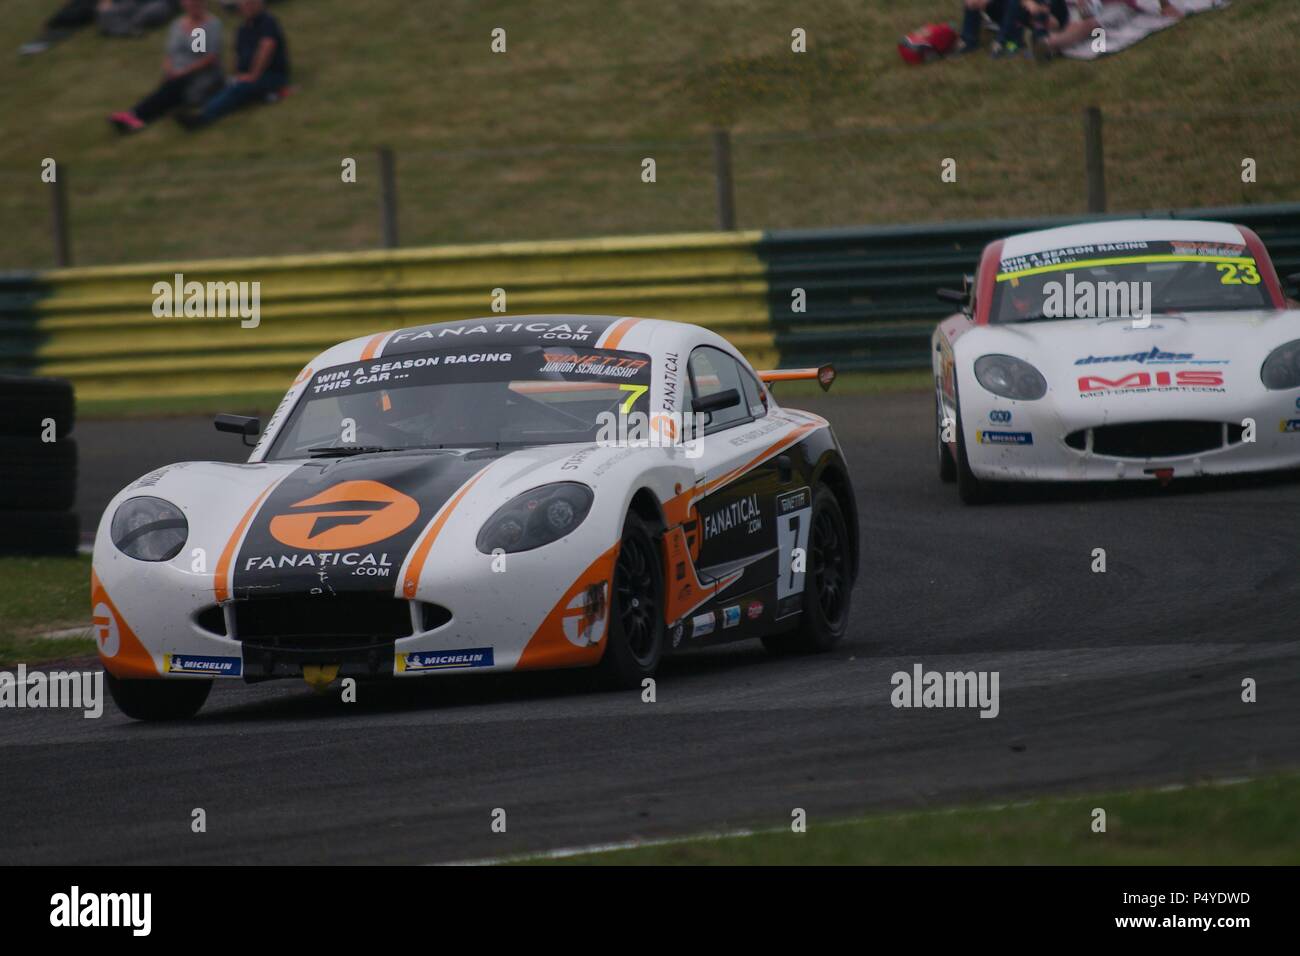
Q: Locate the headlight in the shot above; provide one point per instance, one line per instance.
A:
(1282, 367)
(149, 529)
(536, 518)
(1010, 377)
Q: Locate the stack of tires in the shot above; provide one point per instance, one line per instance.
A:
(38, 467)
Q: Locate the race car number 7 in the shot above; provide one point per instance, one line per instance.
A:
(793, 511)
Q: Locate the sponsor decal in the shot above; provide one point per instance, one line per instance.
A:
(1004, 438)
(702, 624)
(459, 659)
(1184, 380)
(1153, 357)
(512, 332)
(196, 664)
(741, 511)
(793, 501)
(731, 616)
(1290, 425)
(1000, 416)
(106, 632)
(754, 611)
(607, 365)
(352, 514)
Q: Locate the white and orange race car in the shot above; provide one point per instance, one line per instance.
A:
(490, 495)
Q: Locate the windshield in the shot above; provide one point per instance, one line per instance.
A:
(532, 395)
(1127, 280)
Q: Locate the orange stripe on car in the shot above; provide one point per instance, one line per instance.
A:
(411, 581)
(220, 580)
(372, 346)
(620, 329)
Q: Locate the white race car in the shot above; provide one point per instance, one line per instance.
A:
(490, 495)
(1140, 349)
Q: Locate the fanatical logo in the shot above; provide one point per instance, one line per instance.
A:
(352, 514)
(743, 510)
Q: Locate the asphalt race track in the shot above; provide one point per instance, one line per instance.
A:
(1107, 680)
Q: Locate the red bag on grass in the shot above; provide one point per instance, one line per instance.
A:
(931, 42)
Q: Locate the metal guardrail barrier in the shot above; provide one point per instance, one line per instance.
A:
(868, 293)
(867, 297)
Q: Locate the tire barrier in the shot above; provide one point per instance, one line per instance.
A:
(38, 467)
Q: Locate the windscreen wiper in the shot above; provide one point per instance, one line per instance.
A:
(344, 451)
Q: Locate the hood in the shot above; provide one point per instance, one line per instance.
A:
(1207, 355)
(344, 525)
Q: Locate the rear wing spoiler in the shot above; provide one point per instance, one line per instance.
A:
(824, 375)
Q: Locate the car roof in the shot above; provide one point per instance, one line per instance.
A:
(654, 337)
(1122, 230)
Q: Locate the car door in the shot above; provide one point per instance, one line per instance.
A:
(736, 522)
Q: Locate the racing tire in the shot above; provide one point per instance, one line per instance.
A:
(25, 403)
(177, 699)
(947, 467)
(634, 644)
(39, 533)
(37, 475)
(827, 585)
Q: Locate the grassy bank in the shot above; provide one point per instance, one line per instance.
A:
(547, 139)
(1253, 822)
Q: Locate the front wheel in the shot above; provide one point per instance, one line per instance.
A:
(970, 489)
(176, 699)
(635, 640)
(947, 469)
(827, 583)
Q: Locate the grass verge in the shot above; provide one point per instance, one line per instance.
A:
(38, 595)
(1249, 823)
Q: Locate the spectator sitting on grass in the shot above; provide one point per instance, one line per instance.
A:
(131, 18)
(1005, 13)
(190, 75)
(1088, 16)
(70, 17)
(261, 62)
(1012, 16)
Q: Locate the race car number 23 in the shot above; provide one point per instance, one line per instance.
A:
(1232, 274)
(793, 514)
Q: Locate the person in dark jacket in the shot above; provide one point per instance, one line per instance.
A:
(261, 66)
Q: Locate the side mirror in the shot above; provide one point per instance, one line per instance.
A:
(952, 295)
(239, 425)
(716, 402)
(1293, 283)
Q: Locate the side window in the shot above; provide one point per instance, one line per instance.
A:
(755, 397)
(711, 371)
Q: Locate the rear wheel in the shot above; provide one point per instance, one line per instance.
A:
(827, 583)
(635, 642)
(177, 699)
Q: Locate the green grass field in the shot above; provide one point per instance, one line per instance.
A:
(38, 595)
(546, 140)
(1249, 823)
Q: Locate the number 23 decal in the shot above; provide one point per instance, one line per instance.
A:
(1233, 274)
